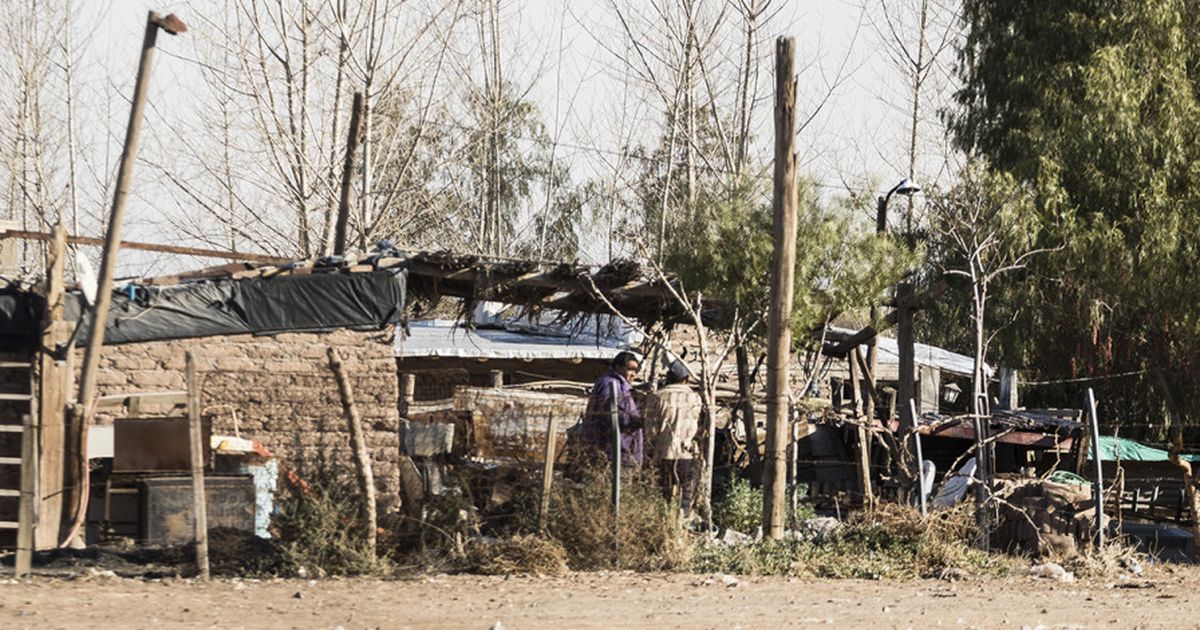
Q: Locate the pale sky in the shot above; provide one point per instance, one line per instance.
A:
(857, 141)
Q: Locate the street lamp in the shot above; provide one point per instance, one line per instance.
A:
(906, 187)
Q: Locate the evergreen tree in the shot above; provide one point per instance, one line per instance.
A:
(1093, 107)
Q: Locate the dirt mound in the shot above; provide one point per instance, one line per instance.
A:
(235, 552)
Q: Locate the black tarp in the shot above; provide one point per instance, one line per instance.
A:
(293, 303)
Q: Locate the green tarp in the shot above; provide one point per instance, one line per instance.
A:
(1113, 448)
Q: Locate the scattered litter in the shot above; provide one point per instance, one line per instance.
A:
(93, 572)
(1052, 571)
(1133, 566)
(954, 574)
(734, 537)
(497, 626)
(728, 580)
(298, 595)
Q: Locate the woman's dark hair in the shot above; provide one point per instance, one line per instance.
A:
(619, 361)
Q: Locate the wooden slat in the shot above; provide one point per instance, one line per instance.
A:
(11, 428)
(55, 383)
(16, 396)
(174, 397)
(150, 247)
(10, 461)
(27, 512)
(15, 365)
(8, 525)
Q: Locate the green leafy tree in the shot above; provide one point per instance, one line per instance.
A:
(1092, 106)
(724, 250)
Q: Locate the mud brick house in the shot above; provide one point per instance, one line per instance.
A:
(258, 334)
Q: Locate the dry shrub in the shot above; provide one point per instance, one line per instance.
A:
(319, 530)
(1116, 557)
(519, 554)
(891, 542)
(648, 537)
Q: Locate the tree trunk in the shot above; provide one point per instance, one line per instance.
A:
(746, 406)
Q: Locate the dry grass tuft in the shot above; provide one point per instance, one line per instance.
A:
(520, 554)
(648, 536)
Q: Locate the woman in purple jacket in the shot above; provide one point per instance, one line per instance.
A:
(597, 421)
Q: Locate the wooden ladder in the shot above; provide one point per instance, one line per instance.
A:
(25, 412)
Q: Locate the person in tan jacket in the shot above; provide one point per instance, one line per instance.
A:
(672, 421)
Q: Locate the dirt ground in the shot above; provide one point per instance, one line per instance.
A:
(598, 600)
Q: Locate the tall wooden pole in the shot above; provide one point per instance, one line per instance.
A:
(108, 263)
(339, 239)
(53, 389)
(112, 238)
(779, 334)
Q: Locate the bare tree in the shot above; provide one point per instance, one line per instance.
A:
(984, 229)
(919, 38)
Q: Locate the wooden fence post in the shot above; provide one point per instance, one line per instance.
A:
(199, 495)
(548, 471)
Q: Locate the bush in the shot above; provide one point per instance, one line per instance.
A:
(319, 528)
(888, 543)
(648, 536)
(741, 508)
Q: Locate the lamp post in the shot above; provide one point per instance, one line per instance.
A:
(905, 187)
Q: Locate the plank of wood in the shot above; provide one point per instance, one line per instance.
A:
(27, 510)
(55, 383)
(173, 397)
(548, 471)
(149, 247)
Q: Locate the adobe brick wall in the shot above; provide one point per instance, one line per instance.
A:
(283, 391)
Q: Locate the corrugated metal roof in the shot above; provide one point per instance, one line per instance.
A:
(444, 338)
(923, 354)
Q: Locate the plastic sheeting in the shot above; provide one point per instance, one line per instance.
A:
(441, 338)
(1113, 448)
(295, 303)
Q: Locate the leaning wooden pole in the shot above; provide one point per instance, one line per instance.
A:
(779, 334)
(548, 472)
(77, 469)
(112, 237)
(358, 440)
(343, 215)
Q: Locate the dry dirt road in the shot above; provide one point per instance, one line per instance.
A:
(600, 600)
